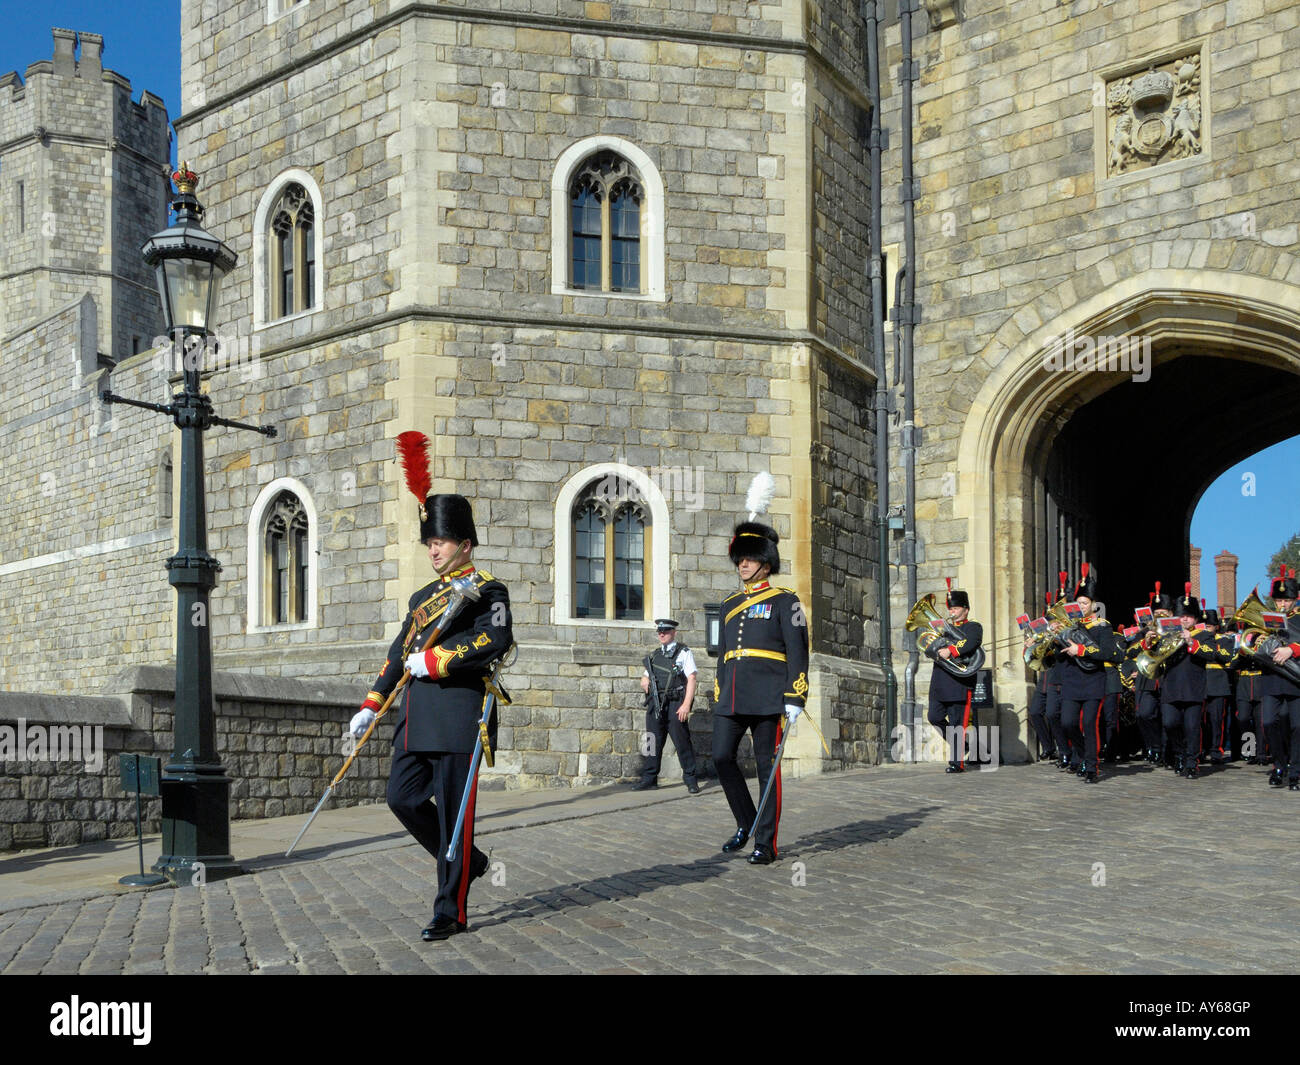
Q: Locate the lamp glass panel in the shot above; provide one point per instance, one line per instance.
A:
(187, 286)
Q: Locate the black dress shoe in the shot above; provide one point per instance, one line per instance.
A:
(1192, 771)
(1293, 785)
(645, 785)
(736, 842)
(1063, 763)
(1091, 776)
(441, 927)
(955, 767)
(761, 856)
(1275, 779)
(693, 787)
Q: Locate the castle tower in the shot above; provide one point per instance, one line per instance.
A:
(82, 185)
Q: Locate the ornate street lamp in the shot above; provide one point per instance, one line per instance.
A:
(190, 263)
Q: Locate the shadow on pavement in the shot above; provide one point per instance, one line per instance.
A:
(637, 882)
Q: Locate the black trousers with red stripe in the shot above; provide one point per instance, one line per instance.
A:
(415, 778)
(1216, 720)
(1038, 721)
(728, 731)
(1148, 715)
(1081, 719)
(1183, 729)
(1251, 721)
(948, 718)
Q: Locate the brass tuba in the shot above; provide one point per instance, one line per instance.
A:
(921, 619)
(1258, 643)
(1153, 660)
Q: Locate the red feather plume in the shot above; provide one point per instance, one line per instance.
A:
(1083, 571)
(1187, 588)
(413, 452)
(1157, 587)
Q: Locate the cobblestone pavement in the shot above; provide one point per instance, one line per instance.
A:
(896, 869)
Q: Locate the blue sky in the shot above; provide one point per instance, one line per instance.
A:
(142, 42)
(1252, 527)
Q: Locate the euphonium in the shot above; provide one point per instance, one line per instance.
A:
(921, 619)
(1258, 643)
(1152, 661)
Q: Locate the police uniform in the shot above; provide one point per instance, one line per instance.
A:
(672, 665)
(437, 714)
(762, 669)
(950, 695)
(1183, 693)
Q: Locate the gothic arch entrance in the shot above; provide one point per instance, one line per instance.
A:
(1059, 466)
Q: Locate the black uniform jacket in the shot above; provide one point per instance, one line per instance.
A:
(763, 655)
(1078, 683)
(1250, 679)
(441, 713)
(1141, 682)
(1275, 682)
(1216, 670)
(944, 687)
(1185, 676)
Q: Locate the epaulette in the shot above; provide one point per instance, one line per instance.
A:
(484, 577)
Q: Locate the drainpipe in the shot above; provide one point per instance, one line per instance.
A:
(872, 14)
(908, 314)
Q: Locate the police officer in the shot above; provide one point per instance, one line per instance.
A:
(438, 712)
(675, 677)
(950, 695)
(1083, 687)
(1182, 692)
(762, 673)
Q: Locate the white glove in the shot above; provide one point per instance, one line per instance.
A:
(417, 666)
(360, 722)
(792, 712)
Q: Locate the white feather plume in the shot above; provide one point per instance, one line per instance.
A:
(761, 490)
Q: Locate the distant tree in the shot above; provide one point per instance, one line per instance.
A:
(1288, 554)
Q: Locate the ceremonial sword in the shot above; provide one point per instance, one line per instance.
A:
(463, 590)
(482, 748)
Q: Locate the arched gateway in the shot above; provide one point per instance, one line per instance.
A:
(1223, 382)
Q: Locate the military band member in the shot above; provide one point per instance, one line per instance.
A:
(1057, 668)
(950, 695)
(1038, 704)
(1182, 691)
(762, 673)
(1218, 688)
(1281, 701)
(437, 714)
(1083, 690)
(1146, 690)
(675, 678)
(1249, 698)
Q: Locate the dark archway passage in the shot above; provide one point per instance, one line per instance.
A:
(1115, 481)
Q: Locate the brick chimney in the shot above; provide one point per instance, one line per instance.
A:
(1196, 573)
(1225, 567)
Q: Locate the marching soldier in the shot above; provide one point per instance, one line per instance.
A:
(668, 705)
(1146, 690)
(1182, 693)
(1218, 688)
(1056, 670)
(1083, 689)
(1281, 701)
(1038, 704)
(950, 695)
(438, 713)
(762, 673)
(1249, 697)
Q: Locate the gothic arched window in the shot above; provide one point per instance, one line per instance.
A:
(606, 201)
(291, 253)
(285, 562)
(611, 541)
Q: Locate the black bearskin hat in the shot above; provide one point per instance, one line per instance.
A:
(1087, 585)
(959, 598)
(1284, 587)
(755, 540)
(448, 517)
(1188, 606)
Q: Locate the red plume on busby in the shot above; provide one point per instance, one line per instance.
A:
(1064, 575)
(413, 452)
(948, 597)
(1087, 585)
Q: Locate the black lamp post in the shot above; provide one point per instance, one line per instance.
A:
(190, 263)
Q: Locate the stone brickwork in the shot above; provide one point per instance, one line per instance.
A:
(1020, 235)
(281, 741)
(92, 164)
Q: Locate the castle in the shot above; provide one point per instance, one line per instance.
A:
(614, 260)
